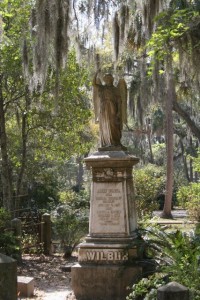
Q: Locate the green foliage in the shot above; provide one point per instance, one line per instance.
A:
(159, 153)
(70, 226)
(189, 198)
(4, 219)
(196, 161)
(172, 24)
(29, 244)
(177, 254)
(71, 220)
(149, 184)
(43, 130)
(146, 288)
(75, 200)
(63, 123)
(43, 195)
(157, 119)
(8, 242)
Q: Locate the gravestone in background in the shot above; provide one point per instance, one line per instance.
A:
(8, 278)
(107, 258)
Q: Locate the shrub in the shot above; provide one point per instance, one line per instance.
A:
(149, 184)
(189, 198)
(9, 244)
(71, 219)
(197, 161)
(177, 254)
(70, 226)
(75, 200)
(4, 219)
(30, 244)
(146, 288)
(159, 153)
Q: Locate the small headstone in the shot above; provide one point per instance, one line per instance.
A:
(25, 286)
(173, 291)
(8, 278)
(67, 267)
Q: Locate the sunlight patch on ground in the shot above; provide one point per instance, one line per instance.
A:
(56, 295)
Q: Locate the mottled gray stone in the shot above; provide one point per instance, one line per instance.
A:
(173, 291)
(106, 259)
(103, 282)
(8, 278)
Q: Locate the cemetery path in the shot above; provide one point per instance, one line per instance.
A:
(50, 281)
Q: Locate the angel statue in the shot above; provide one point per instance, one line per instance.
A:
(110, 104)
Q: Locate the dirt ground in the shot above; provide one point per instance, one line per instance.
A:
(51, 282)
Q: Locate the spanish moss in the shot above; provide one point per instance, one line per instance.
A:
(50, 29)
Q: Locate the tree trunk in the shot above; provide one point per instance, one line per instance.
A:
(6, 177)
(80, 172)
(169, 139)
(149, 137)
(24, 151)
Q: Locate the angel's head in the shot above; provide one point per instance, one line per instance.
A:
(108, 79)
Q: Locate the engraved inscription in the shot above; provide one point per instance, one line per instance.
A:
(107, 206)
(106, 255)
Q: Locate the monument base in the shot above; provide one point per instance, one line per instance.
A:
(107, 259)
(103, 282)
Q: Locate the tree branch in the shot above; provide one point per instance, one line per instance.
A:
(186, 117)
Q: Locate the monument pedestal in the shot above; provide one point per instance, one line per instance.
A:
(106, 260)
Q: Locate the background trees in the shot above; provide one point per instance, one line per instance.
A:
(45, 109)
(37, 131)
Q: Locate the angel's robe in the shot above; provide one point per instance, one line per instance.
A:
(109, 115)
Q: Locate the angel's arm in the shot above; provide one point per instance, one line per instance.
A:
(96, 80)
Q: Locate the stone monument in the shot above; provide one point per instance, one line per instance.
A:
(106, 260)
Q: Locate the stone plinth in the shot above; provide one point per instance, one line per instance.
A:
(107, 257)
(103, 282)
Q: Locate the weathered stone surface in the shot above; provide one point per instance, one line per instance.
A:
(173, 291)
(25, 286)
(108, 209)
(106, 259)
(67, 267)
(102, 282)
(112, 211)
(106, 253)
(46, 233)
(8, 278)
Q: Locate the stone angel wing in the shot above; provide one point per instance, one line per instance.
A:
(122, 90)
(96, 98)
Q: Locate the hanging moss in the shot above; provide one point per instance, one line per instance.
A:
(50, 21)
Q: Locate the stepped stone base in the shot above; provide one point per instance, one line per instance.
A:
(107, 259)
(103, 282)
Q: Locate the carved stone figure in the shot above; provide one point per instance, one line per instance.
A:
(110, 110)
